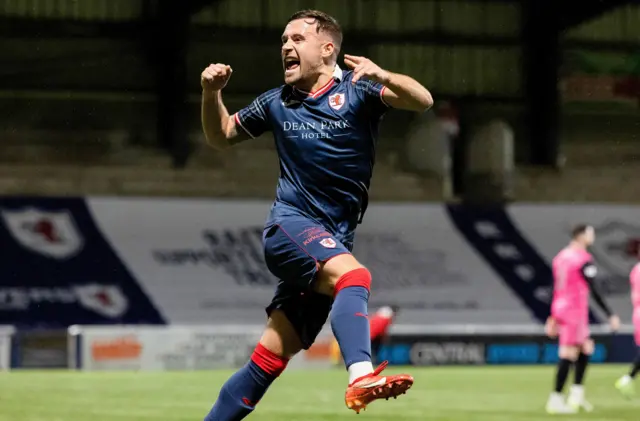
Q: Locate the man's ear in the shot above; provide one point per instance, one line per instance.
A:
(328, 49)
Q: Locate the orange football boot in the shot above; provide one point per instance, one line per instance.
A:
(371, 387)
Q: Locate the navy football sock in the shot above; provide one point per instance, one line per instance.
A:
(562, 373)
(242, 392)
(349, 320)
(581, 368)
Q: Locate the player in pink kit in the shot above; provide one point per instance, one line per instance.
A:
(573, 283)
(625, 384)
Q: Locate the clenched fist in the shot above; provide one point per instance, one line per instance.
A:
(215, 77)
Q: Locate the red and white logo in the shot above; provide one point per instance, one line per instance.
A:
(336, 101)
(53, 234)
(328, 243)
(106, 300)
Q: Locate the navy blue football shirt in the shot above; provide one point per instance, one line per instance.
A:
(326, 146)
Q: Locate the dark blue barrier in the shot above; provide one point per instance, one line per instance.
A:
(496, 349)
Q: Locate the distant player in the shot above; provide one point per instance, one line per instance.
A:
(379, 325)
(625, 384)
(325, 123)
(574, 274)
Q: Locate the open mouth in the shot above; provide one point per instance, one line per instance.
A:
(291, 63)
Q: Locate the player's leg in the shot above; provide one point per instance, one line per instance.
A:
(344, 278)
(635, 369)
(242, 391)
(349, 283)
(626, 383)
(297, 248)
(568, 353)
(577, 393)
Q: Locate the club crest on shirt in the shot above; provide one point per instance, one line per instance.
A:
(336, 101)
(328, 243)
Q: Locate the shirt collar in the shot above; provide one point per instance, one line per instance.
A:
(336, 77)
(337, 73)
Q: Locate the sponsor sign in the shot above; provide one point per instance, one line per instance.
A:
(56, 268)
(156, 348)
(153, 261)
(164, 348)
(496, 347)
(418, 259)
(437, 353)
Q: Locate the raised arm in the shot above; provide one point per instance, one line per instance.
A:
(400, 91)
(219, 127)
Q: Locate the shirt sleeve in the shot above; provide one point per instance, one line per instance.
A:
(254, 119)
(372, 93)
(590, 272)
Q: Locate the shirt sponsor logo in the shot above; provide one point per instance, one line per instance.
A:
(324, 129)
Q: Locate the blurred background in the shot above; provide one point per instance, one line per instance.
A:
(102, 96)
(115, 212)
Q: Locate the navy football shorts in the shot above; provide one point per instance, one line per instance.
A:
(294, 246)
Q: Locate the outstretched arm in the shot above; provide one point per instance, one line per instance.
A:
(400, 91)
(219, 127)
(589, 272)
(406, 93)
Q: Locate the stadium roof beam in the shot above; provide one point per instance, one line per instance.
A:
(541, 62)
(168, 46)
(572, 13)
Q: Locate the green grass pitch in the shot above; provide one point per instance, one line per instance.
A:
(439, 394)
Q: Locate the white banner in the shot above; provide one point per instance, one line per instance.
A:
(201, 261)
(182, 261)
(162, 348)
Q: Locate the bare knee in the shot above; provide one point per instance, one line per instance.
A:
(568, 352)
(588, 347)
(280, 337)
(331, 272)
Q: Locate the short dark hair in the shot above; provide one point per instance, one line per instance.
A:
(326, 23)
(578, 230)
